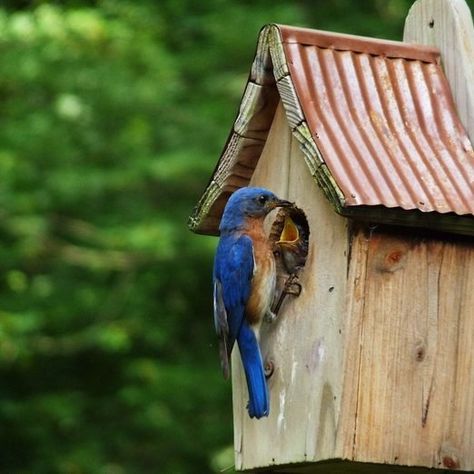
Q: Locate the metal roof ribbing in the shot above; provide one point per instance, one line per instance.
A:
(376, 123)
(382, 115)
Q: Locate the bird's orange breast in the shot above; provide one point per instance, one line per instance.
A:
(264, 276)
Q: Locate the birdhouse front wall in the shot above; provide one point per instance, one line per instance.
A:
(305, 344)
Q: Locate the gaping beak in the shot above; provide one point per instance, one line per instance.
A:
(290, 233)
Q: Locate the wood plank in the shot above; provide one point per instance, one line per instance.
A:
(262, 71)
(245, 143)
(291, 101)
(305, 343)
(272, 171)
(353, 330)
(448, 25)
(280, 67)
(239, 153)
(256, 111)
(409, 387)
(320, 311)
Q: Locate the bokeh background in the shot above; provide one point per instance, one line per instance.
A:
(112, 116)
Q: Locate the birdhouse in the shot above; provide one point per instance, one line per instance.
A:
(372, 365)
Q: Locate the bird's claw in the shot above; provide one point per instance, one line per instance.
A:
(293, 289)
(292, 286)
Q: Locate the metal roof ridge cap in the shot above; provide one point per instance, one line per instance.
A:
(359, 44)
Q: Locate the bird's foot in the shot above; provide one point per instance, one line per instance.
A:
(292, 286)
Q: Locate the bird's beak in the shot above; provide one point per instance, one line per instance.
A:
(283, 203)
(290, 232)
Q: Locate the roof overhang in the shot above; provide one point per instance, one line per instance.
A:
(376, 123)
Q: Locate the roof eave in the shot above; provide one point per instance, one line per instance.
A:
(245, 142)
(413, 218)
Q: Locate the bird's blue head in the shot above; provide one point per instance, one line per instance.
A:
(249, 202)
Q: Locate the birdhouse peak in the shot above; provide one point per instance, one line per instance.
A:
(375, 120)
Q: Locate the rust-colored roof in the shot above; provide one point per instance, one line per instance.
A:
(376, 121)
(382, 116)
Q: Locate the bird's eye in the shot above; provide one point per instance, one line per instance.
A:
(262, 199)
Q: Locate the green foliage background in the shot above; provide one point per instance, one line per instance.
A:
(112, 116)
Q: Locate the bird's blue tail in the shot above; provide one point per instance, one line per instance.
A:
(252, 361)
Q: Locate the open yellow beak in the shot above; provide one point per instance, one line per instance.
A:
(290, 233)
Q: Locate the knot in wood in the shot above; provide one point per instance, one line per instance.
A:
(450, 462)
(392, 261)
(420, 352)
(394, 257)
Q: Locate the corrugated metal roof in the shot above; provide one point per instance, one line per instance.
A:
(382, 116)
(376, 122)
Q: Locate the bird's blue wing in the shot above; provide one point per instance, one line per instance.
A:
(233, 271)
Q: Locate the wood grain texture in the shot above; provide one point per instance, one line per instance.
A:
(305, 343)
(276, 179)
(409, 373)
(256, 111)
(447, 24)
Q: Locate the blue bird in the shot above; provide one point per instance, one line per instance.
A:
(244, 283)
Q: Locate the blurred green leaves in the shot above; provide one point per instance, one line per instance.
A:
(99, 274)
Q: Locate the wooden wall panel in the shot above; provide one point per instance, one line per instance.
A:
(305, 343)
(409, 391)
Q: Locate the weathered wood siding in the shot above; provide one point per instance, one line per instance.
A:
(374, 362)
(306, 342)
(409, 374)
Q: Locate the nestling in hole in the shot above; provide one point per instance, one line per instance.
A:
(290, 237)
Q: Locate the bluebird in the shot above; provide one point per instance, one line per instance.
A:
(244, 283)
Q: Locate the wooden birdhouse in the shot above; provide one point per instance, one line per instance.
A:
(372, 366)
